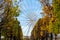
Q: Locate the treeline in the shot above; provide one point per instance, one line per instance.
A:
(44, 29)
(50, 23)
(9, 25)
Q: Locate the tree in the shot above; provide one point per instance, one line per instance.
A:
(53, 13)
(48, 10)
(56, 13)
(45, 24)
(39, 30)
(10, 22)
(56, 25)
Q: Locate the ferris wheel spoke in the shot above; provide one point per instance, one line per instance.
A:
(27, 4)
(30, 17)
(25, 17)
(23, 4)
(23, 8)
(26, 23)
(26, 29)
(25, 20)
(33, 17)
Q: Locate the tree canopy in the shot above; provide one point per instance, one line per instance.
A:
(10, 25)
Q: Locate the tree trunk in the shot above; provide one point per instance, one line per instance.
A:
(46, 38)
(14, 38)
(11, 34)
(0, 33)
(47, 35)
(43, 38)
(18, 34)
(11, 37)
(55, 36)
(51, 37)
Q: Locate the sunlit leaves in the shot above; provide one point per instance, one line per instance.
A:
(56, 25)
(10, 22)
(45, 23)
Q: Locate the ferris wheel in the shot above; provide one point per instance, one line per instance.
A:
(30, 13)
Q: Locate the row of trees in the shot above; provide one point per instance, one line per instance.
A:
(50, 23)
(56, 25)
(9, 26)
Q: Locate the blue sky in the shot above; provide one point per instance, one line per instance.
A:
(29, 15)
